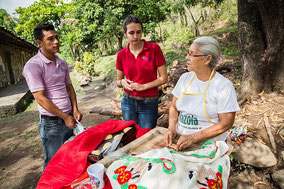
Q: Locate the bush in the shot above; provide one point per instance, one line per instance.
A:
(79, 66)
(89, 63)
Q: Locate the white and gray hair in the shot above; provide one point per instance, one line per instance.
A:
(209, 46)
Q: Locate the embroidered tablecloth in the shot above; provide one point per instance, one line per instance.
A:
(207, 167)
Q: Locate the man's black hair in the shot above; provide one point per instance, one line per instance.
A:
(131, 19)
(38, 34)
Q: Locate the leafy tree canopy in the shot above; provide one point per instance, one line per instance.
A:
(6, 20)
(40, 12)
(102, 19)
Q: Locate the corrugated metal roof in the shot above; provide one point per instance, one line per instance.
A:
(12, 35)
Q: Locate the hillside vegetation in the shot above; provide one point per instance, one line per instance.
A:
(174, 38)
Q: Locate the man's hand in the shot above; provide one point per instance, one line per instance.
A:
(70, 122)
(77, 115)
(126, 84)
(185, 141)
(168, 137)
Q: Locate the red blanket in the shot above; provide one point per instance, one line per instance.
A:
(71, 159)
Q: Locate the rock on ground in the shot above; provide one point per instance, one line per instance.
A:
(254, 153)
(278, 177)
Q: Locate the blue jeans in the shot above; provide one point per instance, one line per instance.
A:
(143, 112)
(53, 134)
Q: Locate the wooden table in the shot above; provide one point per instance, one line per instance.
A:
(152, 140)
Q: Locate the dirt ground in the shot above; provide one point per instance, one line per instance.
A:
(21, 154)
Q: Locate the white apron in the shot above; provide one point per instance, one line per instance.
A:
(193, 107)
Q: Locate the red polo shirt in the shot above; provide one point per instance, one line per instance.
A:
(143, 69)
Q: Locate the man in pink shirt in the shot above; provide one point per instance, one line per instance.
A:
(48, 79)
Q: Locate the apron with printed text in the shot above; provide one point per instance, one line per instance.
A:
(193, 111)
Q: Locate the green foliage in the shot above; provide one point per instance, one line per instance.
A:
(40, 12)
(101, 21)
(177, 33)
(79, 66)
(94, 65)
(90, 30)
(105, 66)
(89, 62)
(172, 53)
(228, 43)
(229, 48)
(6, 20)
(87, 65)
(225, 14)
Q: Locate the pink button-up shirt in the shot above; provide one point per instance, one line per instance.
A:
(42, 74)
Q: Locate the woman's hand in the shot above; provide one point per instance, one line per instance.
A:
(169, 136)
(126, 84)
(138, 87)
(185, 141)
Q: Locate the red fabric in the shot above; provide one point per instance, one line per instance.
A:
(71, 159)
(142, 132)
(107, 183)
(143, 69)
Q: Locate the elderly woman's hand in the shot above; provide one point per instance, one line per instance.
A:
(185, 141)
(169, 136)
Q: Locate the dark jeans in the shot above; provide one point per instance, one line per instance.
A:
(143, 112)
(53, 133)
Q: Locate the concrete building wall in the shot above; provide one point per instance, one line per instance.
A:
(14, 53)
(12, 61)
(4, 73)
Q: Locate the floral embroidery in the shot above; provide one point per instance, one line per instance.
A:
(124, 177)
(132, 186)
(120, 170)
(212, 184)
(207, 178)
(210, 156)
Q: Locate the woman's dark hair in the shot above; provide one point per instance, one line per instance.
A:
(38, 34)
(131, 19)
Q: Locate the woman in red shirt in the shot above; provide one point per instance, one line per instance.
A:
(137, 67)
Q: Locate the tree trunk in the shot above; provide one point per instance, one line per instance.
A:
(197, 33)
(181, 19)
(120, 38)
(185, 20)
(72, 53)
(261, 46)
(161, 35)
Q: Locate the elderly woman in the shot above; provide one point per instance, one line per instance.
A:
(204, 102)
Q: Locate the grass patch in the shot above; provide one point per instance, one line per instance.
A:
(8, 135)
(13, 116)
(171, 53)
(228, 42)
(75, 82)
(105, 66)
(27, 136)
(229, 29)
(32, 106)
